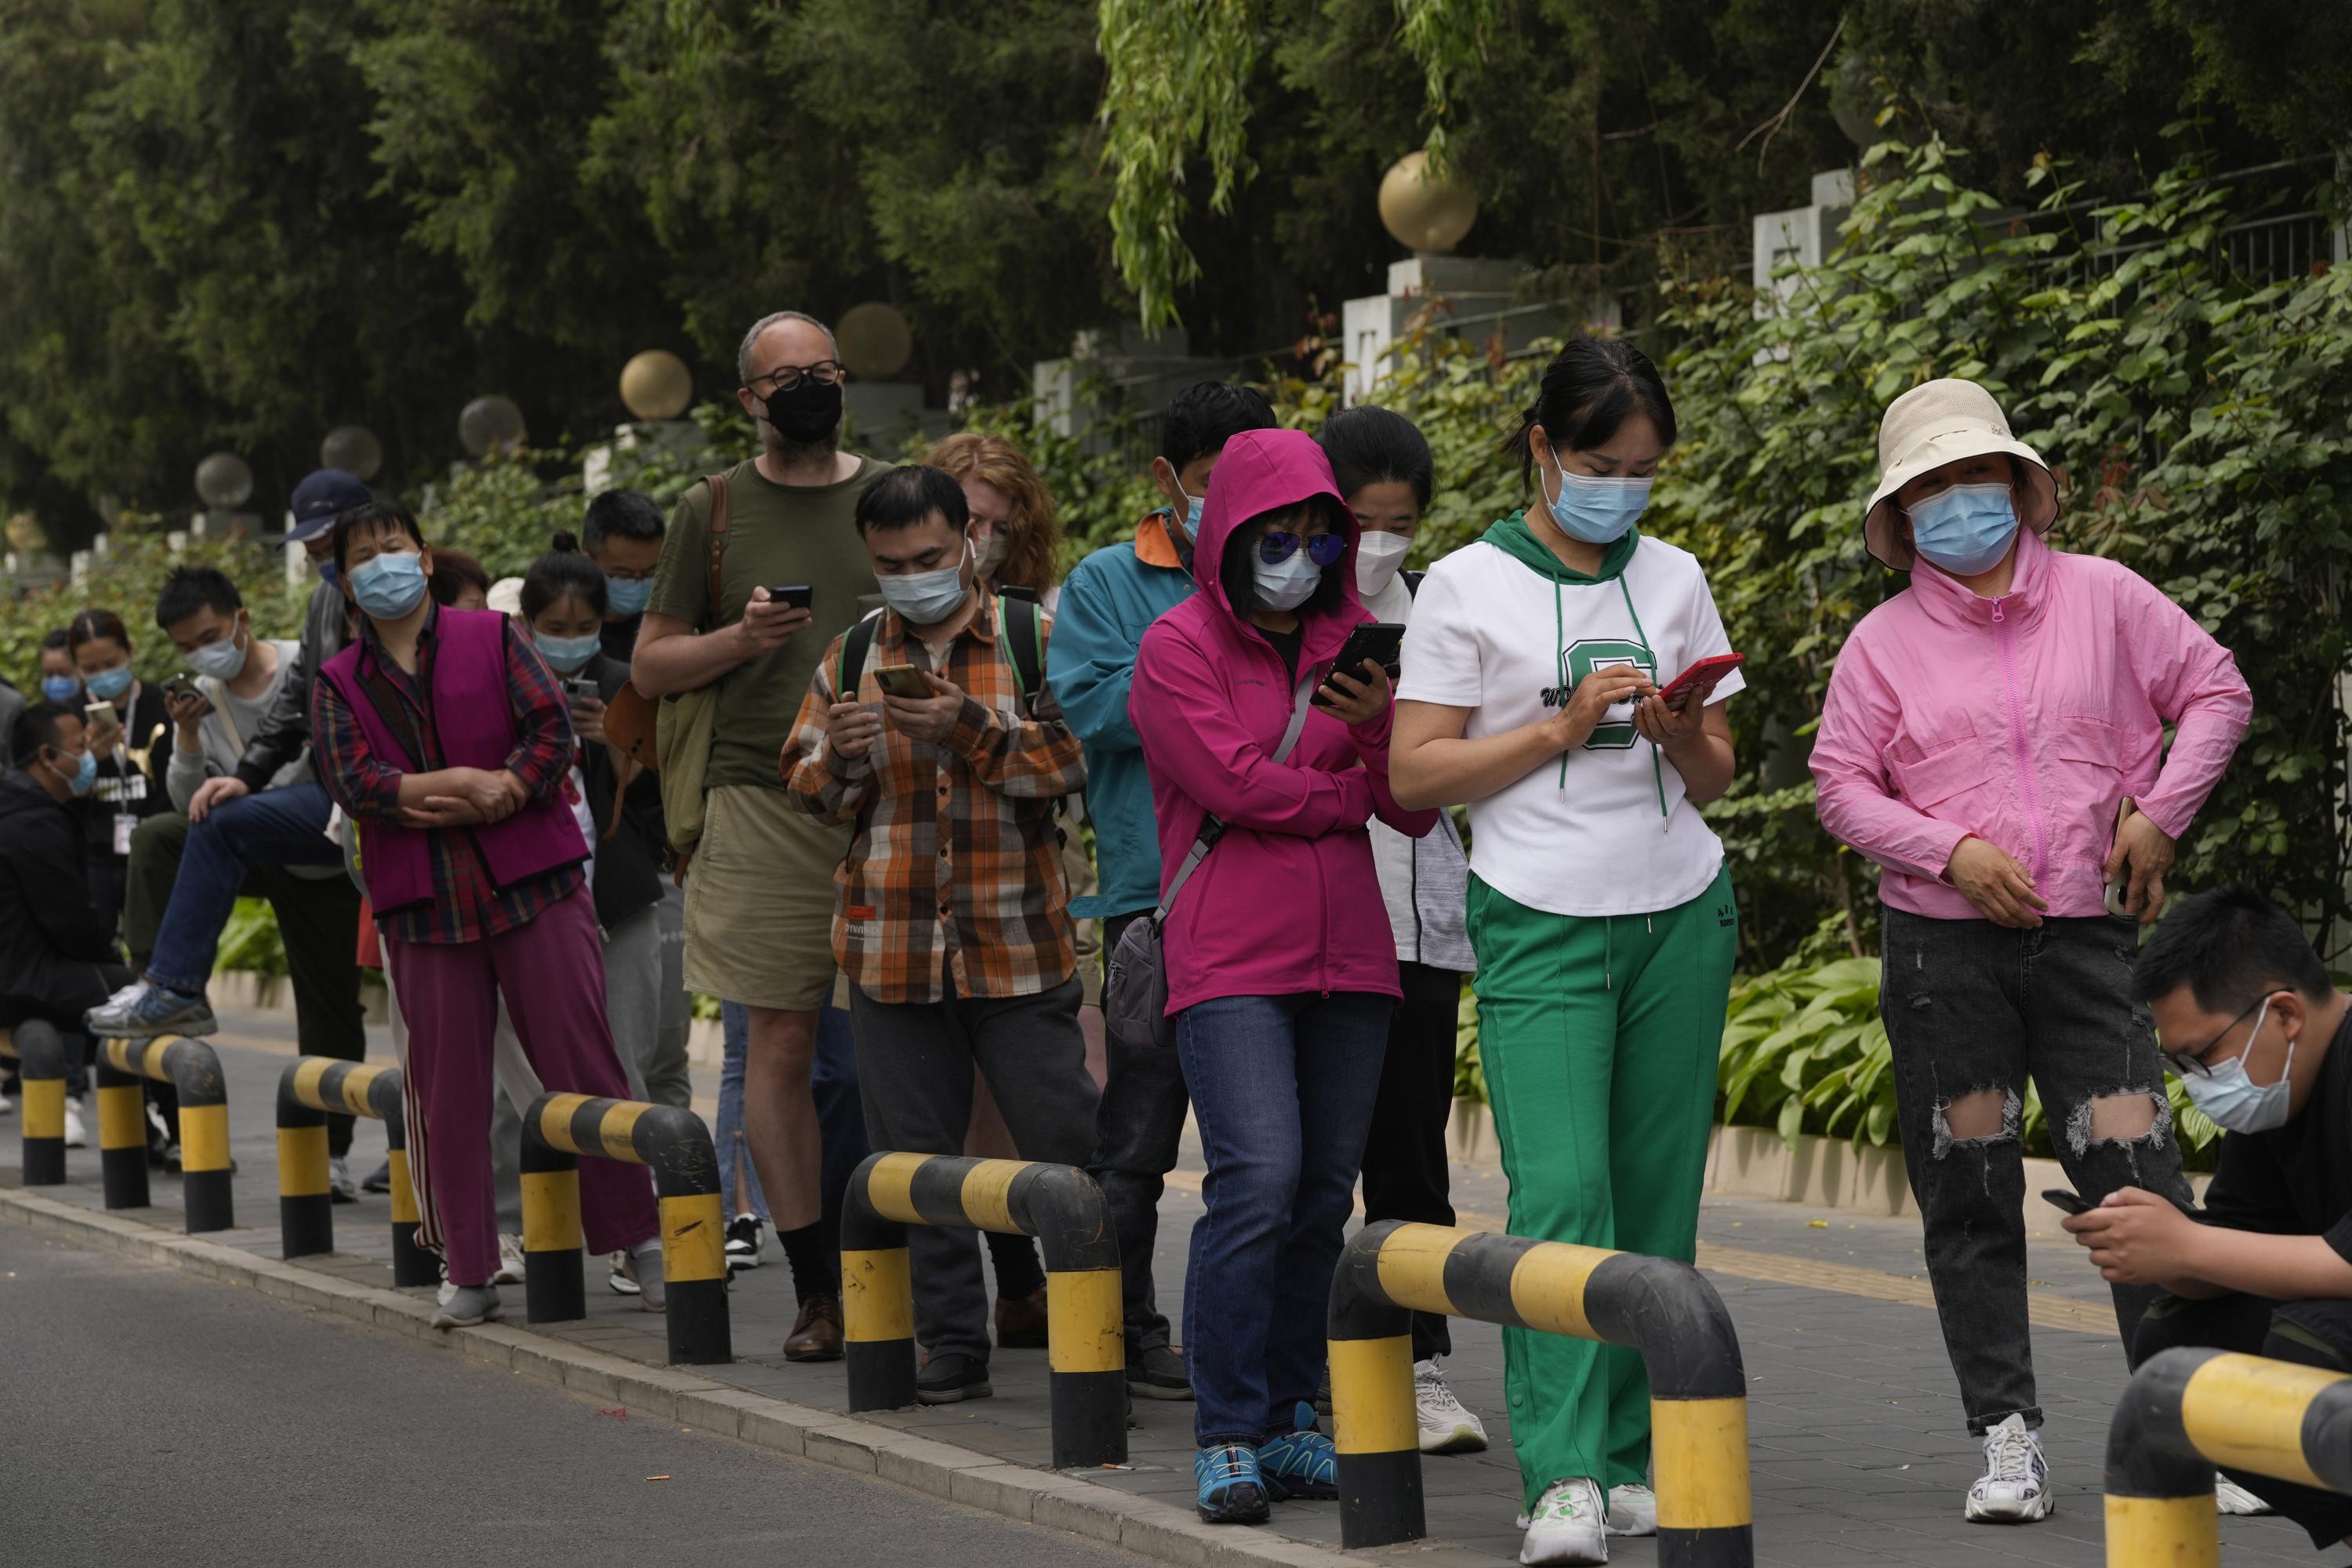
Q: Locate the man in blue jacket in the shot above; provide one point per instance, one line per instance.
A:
(1106, 603)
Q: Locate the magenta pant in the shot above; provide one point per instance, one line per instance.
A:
(551, 974)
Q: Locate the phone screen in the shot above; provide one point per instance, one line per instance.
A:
(2071, 1203)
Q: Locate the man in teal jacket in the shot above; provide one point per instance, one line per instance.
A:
(1106, 603)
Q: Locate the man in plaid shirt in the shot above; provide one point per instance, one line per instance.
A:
(950, 924)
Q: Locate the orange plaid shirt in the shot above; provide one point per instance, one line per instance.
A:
(953, 885)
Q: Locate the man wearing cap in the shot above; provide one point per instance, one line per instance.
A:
(264, 814)
(1994, 739)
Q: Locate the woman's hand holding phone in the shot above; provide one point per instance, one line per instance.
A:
(1663, 723)
(1594, 696)
(1356, 699)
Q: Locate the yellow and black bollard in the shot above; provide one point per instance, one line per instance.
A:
(310, 1088)
(560, 1129)
(40, 1057)
(2185, 1412)
(204, 1164)
(1698, 1391)
(1058, 1205)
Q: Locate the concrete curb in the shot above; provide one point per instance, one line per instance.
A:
(1048, 1497)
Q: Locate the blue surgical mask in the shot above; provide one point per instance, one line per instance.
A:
(927, 598)
(1191, 523)
(1285, 583)
(84, 775)
(1966, 529)
(109, 684)
(1598, 511)
(568, 655)
(327, 572)
(626, 596)
(223, 660)
(60, 687)
(2233, 1099)
(389, 586)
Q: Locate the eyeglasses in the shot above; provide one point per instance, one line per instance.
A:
(785, 377)
(2193, 1063)
(1323, 549)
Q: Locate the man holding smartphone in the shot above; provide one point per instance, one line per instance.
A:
(758, 898)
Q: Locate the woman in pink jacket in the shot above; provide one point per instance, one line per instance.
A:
(1282, 970)
(1994, 738)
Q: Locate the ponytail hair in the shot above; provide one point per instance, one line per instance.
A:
(1590, 389)
(564, 572)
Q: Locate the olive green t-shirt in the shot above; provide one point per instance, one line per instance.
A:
(776, 535)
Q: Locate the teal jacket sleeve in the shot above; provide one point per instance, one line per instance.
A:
(1090, 661)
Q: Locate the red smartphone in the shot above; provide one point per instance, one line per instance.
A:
(1702, 676)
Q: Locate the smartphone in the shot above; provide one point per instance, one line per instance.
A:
(2114, 891)
(181, 685)
(902, 680)
(2071, 1203)
(1379, 640)
(797, 594)
(1702, 676)
(578, 685)
(100, 712)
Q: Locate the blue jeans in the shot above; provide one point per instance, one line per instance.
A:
(1283, 1089)
(840, 1115)
(274, 827)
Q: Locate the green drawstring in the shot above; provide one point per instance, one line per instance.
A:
(1608, 954)
(1658, 768)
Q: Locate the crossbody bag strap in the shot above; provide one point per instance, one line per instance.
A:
(1212, 829)
(716, 580)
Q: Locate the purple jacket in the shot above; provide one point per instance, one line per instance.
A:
(1288, 901)
(473, 720)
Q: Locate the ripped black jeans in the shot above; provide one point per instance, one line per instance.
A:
(1972, 1009)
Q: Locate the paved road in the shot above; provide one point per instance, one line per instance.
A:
(149, 1415)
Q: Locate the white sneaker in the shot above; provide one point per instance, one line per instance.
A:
(77, 1137)
(2232, 1498)
(7, 1106)
(1446, 1426)
(510, 1270)
(125, 996)
(1632, 1509)
(2015, 1487)
(621, 1279)
(341, 1188)
(442, 1297)
(1566, 1526)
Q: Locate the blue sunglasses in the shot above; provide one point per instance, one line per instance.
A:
(1323, 549)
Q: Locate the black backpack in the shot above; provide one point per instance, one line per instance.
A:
(1016, 636)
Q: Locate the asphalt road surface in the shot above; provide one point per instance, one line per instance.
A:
(149, 1415)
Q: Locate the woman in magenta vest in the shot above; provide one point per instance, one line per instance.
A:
(446, 739)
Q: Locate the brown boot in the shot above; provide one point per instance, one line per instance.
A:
(1020, 1321)
(816, 1332)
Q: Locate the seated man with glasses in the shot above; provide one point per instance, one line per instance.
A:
(2257, 1032)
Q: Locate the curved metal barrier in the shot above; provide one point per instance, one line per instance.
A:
(1058, 1205)
(192, 1068)
(1698, 1390)
(557, 1130)
(2186, 1411)
(310, 1088)
(40, 1058)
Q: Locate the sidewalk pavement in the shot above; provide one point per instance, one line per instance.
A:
(1858, 1451)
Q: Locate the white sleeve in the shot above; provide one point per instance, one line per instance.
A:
(1442, 656)
(1707, 637)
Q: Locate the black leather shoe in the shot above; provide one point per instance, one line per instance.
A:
(947, 1379)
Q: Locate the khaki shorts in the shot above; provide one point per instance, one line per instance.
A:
(759, 901)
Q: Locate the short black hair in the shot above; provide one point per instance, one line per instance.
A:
(37, 727)
(1205, 415)
(1237, 573)
(192, 588)
(563, 571)
(2231, 946)
(1369, 445)
(57, 641)
(95, 625)
(373, 518)
(621, 514)
(1588, 391)
(454, 572)
(906, 495)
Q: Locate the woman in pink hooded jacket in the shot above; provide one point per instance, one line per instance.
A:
(1994, 739)
(1282, 970)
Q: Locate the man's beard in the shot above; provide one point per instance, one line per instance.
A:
(790, 453)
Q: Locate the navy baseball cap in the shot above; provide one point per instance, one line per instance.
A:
(321, 497)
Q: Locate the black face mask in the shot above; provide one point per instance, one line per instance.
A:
(809, 412)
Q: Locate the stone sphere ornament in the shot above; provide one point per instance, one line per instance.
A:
(655, 385)
(490, 423)
(876, 342)
(354, 450)
(1422, 213)
(224, 481)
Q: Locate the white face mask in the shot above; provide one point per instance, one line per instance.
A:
(992, 553)
(1377, 556)
(1288, 582)
(927, 598)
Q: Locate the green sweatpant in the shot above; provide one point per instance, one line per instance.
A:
(1599, 1036)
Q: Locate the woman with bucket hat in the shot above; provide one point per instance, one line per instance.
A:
(1994, 739)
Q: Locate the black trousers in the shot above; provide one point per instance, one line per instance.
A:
(2309, 1334)
(1404, 1156)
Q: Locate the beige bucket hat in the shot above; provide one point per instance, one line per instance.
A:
(1940, 422)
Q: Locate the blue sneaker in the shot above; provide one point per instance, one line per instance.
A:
(1301, 1464)
(1231, 1489)
(149, 1011)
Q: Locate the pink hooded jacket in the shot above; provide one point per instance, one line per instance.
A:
(1288, 901)
(2023, 721)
